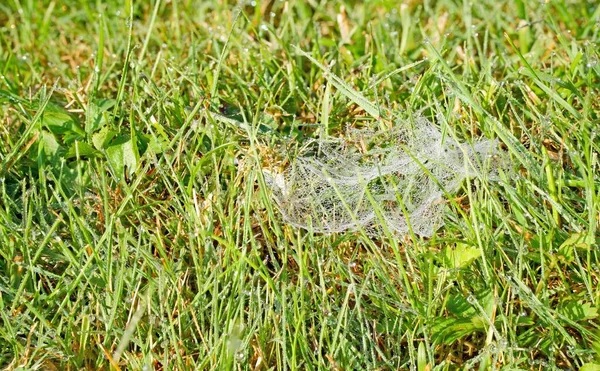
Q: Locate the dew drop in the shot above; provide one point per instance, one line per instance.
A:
(240, 356)
(503, 343)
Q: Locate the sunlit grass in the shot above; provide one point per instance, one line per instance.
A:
(136, 228)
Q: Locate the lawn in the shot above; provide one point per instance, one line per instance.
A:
(139, 225)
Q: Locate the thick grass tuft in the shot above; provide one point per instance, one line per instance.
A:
(137, 231)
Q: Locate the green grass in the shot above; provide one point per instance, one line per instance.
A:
(136, 229)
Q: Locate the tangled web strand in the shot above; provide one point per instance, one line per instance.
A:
(343, 184)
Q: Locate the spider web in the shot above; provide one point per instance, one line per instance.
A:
(398, 177)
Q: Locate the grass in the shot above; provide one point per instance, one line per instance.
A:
(136, 231)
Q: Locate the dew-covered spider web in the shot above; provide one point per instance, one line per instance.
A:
(399, 177)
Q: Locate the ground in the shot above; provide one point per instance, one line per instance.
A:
(137, 230)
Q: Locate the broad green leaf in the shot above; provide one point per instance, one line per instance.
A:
(59, 121)
(123, 155)
(575, 241)
(578, 311)
(97, 115)
(487, 301)
(422, 357)
(459, 306)
(102, 138)
(590, 367)
(448, 330)
(56, 121)
(157, 144)
(460, 256)
(49, 143)
(81, 149)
